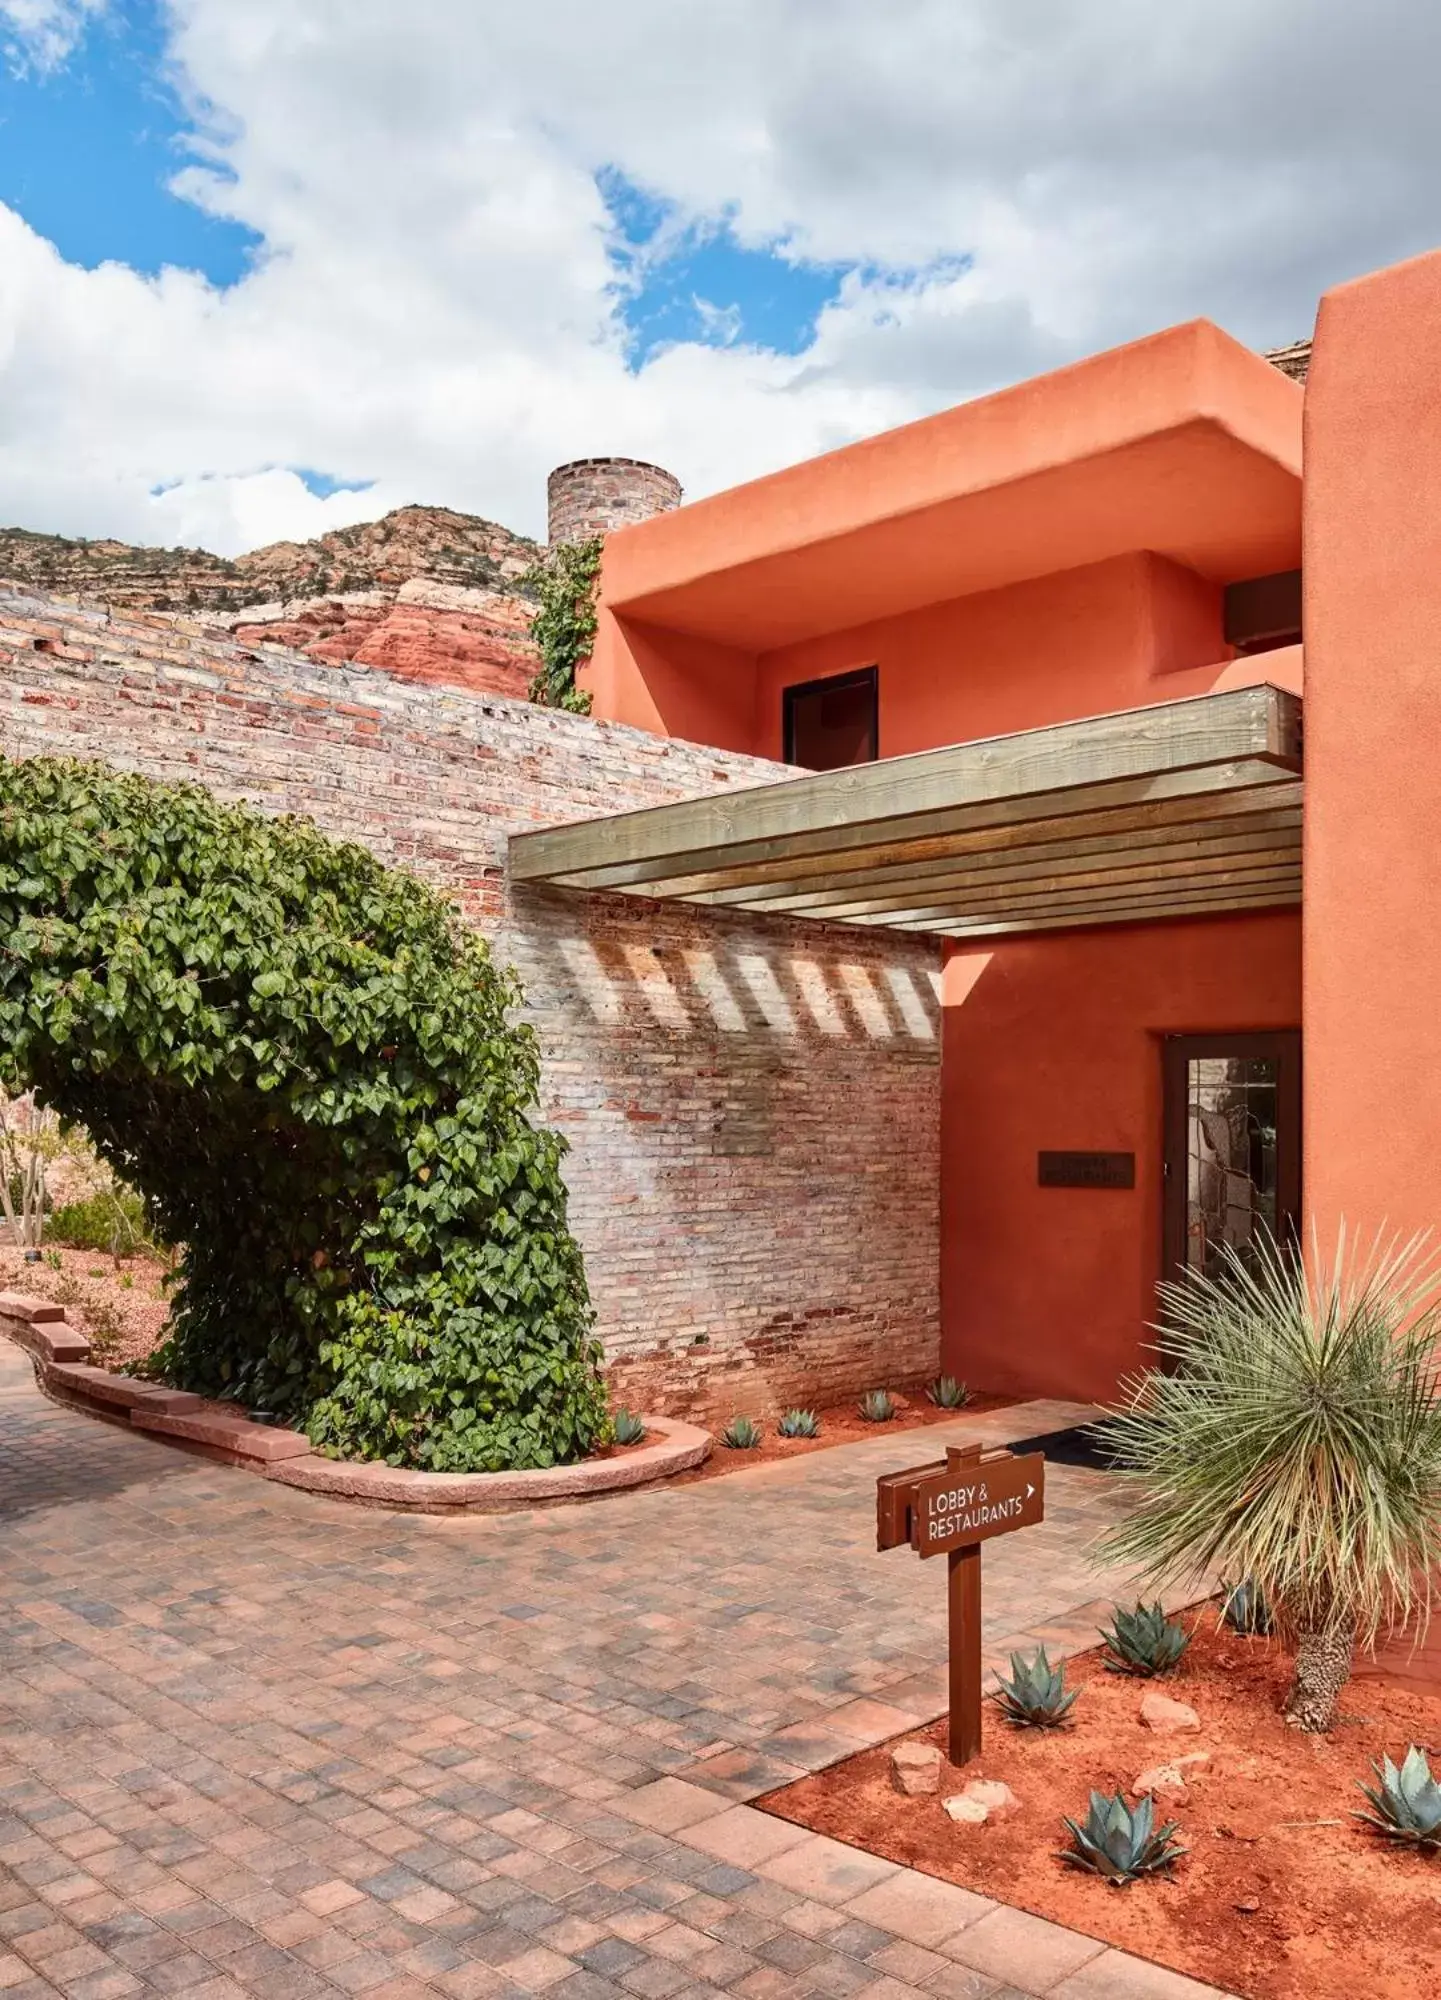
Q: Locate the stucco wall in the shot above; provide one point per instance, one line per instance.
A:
(1088, 641)
(1373, 730)
(753, 1105)
(1055, 1043)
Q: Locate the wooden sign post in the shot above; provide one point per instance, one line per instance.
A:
(949, 1508)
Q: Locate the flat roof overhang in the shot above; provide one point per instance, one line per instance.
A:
(1185, 444)
(1184, 809)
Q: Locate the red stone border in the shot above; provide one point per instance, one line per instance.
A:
(221, 1431)
(677, 1448)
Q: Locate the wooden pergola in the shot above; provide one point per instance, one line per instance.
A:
(1184, 809)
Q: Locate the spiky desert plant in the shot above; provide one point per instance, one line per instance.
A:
(799, 1424)
(1244, 1608)
(626, 1427)
(1143, 1641)
(947, 1393)
(876, 1406)
(1036, 1695)
(1406, 1803)
(1295, 1438)
(1121, 1842)
(741, 1434)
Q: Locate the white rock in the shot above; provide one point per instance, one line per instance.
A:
(982, 1799)
(967, 1812)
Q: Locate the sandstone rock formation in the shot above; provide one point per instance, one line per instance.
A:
(429, 594)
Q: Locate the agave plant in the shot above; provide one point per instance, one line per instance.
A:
(799, 1424)
(1244, 1608)
(626, 1427)
(1036, 1695)
(1295, 1438)
(1121, 1842)
(1143, 1641)
(741, 1434)
(947, 1393)
(1407, 1802)
(876, 1406)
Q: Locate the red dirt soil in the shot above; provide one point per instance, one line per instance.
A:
(841, 1423)
(1267, 1903)
(123, 1308)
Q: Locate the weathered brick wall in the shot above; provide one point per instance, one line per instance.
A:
(590, 496)
(753, 1105)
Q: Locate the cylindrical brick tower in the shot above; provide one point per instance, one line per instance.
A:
(590, 496)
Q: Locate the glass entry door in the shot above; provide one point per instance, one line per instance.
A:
(1233, 1145)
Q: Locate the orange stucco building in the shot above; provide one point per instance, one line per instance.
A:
(1127, 995)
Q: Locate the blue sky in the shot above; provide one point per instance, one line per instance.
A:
(696, 282)
(87, 149)
(431, 303)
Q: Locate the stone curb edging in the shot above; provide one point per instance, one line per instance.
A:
(679, 1447)
(61, 1353)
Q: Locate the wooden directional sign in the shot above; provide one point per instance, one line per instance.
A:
(953, 1510)
(949, 1508)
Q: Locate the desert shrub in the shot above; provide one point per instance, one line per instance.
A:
(112, 1219)
(308, 1068)
(1295, 1440)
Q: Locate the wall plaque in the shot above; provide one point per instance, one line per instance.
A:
(1086, 1170)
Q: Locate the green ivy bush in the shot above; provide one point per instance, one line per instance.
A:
(308, 1068)
(564, 582)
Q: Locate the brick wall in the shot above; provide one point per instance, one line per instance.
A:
(590, 496)
(752, 1104)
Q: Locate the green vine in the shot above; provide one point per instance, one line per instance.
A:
(564, 581)
(312, 1072)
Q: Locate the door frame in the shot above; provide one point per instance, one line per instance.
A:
(1283, 1045)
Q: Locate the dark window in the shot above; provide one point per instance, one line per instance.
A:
(832, 723)
(1264, 612)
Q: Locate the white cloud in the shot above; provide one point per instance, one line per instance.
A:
(41, 33)
(437, 309)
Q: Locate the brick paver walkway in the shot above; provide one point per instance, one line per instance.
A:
(254, 1743)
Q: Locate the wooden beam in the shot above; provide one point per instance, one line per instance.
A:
(892, 839)
(1188, 811)
(979, 928)
(1057, 894)
(1114, 860)
(1112, 756)
(1221, 818)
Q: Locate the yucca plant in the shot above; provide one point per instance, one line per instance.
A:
(626, 1427)
(1036, 1695)
(876, 1406)
(741, 1434)
(1244, 1608)
(1295, 1439)
(947, 1393)
(1406, 1803)
(1121, 1842)
(799, 1424)
(1143, 1641)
